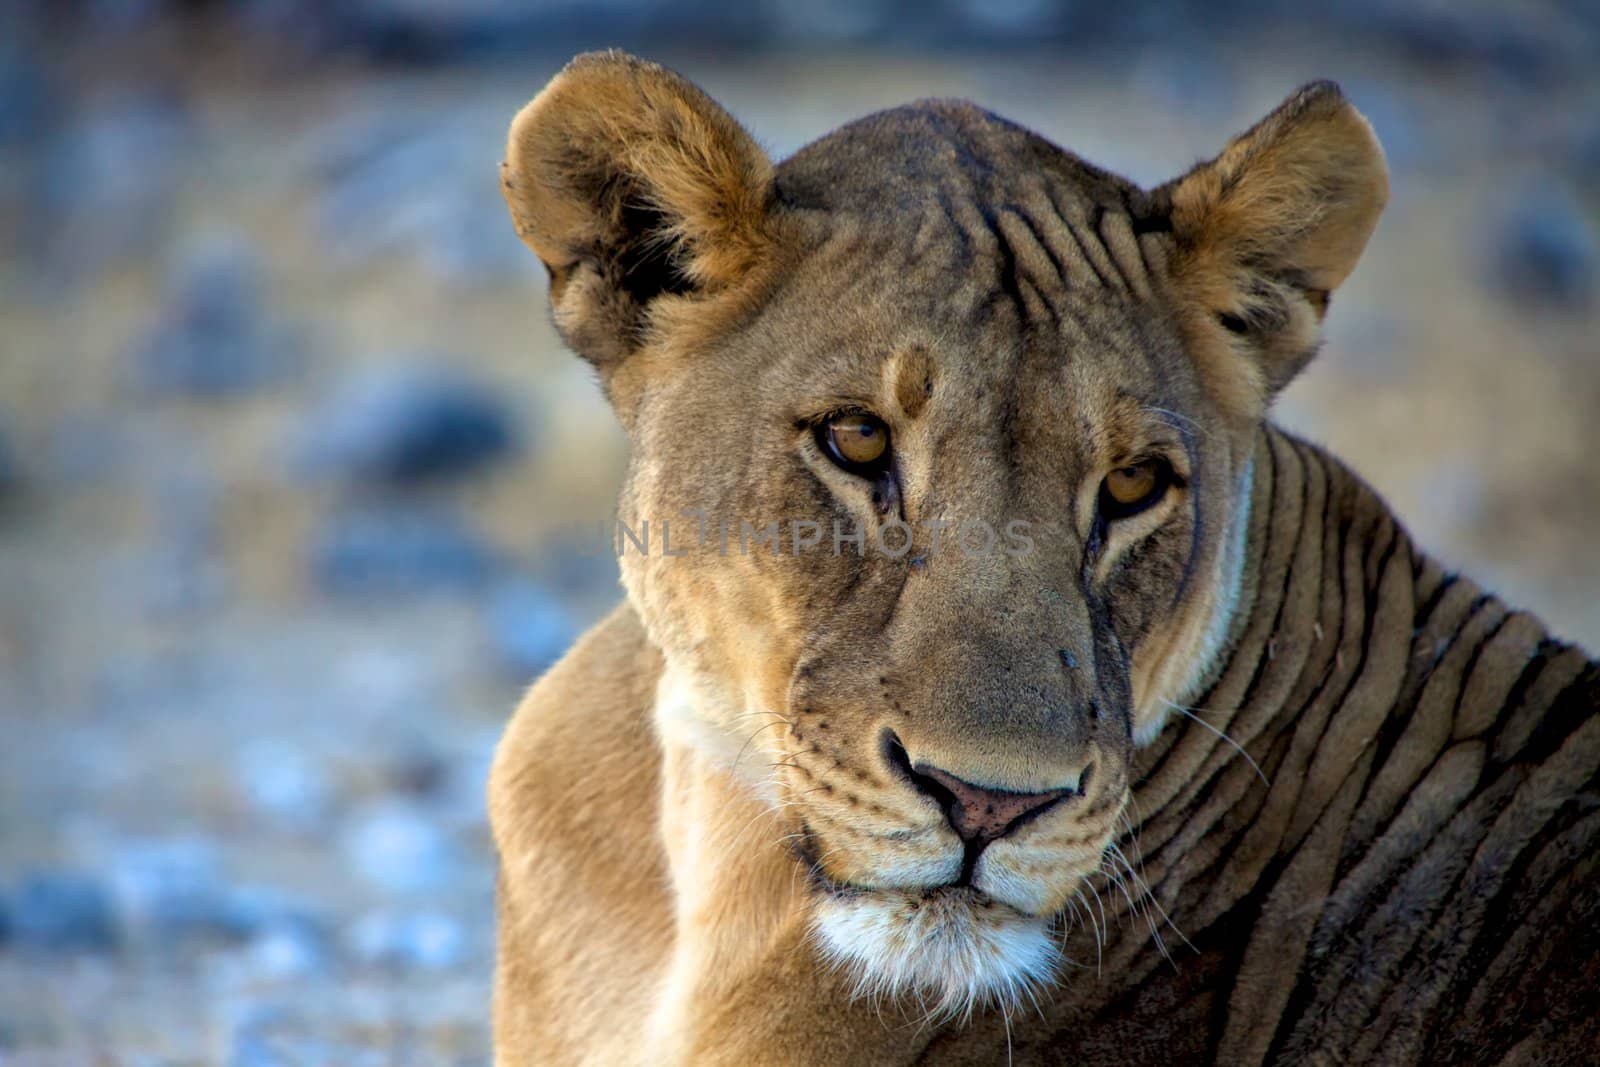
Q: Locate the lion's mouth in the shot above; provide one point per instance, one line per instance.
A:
(961, 890)
(804, 848)
(958, 901)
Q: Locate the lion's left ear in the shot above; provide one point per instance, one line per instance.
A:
(1264, 232)
(632, 186)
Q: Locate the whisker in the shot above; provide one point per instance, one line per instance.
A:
(1237, 747)
(1076, 900)
(1104, 925)
(753, 712)
(1140, 910)
(1118, 883)
(1150, 897)
(1178, 418)
(751, 739)
(764, 813)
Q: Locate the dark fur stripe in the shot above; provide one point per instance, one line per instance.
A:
(1423, 868)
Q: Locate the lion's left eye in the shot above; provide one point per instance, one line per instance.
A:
(1131, 489)
(859, 443)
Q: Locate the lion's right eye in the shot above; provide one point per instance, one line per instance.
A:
(857, 442)
(1131, 489)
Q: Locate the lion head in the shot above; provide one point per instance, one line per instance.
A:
(940, 468)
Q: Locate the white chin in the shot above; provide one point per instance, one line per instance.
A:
(951, 950)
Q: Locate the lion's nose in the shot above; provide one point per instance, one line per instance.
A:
(980, 814)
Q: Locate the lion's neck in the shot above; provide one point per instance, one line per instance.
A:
(1380, 728)
(1316, 660)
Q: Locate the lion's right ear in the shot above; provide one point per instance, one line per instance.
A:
(633, 187)
(1267, 230)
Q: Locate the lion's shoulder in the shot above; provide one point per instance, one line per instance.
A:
(572, 804)
(580, 746)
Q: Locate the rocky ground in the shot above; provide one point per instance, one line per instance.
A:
(290, 461)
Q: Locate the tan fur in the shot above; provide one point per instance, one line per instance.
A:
(668, 145)
(1323, 781)
(1274, 224)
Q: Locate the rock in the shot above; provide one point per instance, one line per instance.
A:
(250, 1049)
(1009, 20)
(1527, 46)
(186, 571)
(469, 244)
(529, 628)
(395, 189)
(384, 550)
(212, 338)
(173, 888)
(399, 849)
(581, 564)
(103, 190)
(289, 1032)
(62, 911)
(86, 449)
(413, 767)
(180, 581)
(289, 950)
(831, 23)
(400, 427)
(1371, 345)
(109, 18)
(437, 31)
(1408, 143)
(1190, 80)
(1583, 155)
(253, 1038)
(284, 785)
(460, 803)
(1456, 493)
(1546, 250)
(28, 100)
(10, 474)
(420, 941)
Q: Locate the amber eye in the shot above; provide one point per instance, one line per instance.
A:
(858, 443)
(1129, 490)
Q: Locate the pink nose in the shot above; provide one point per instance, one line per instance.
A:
(980, 814)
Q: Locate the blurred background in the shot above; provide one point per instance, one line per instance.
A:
(290, 458)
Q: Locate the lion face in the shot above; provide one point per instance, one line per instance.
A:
(938, 483)
(990, 615)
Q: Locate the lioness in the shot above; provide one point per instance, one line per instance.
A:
(1197, 758)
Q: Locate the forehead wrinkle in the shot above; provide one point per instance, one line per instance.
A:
(1101, 359)
(1014, 422)
(1044, 396)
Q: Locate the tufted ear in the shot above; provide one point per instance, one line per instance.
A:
(1264, 232)
(632, 186)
